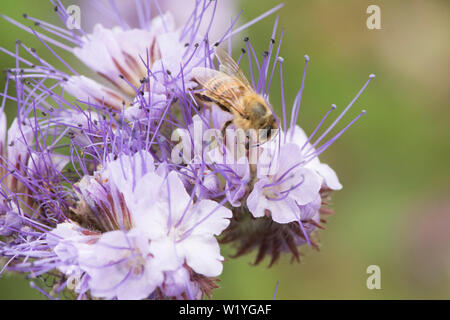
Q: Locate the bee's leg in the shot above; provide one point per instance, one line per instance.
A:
(251, 138)
(247, 141)
(199, 100)
(203, 98)
(224, 131)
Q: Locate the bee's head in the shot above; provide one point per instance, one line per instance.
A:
(261, 119)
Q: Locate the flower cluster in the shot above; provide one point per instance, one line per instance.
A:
(116, 185)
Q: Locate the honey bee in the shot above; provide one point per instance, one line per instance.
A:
(230, 90)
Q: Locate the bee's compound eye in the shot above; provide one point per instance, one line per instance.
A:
(258, 110)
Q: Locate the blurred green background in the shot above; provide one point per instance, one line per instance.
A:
(394, 210)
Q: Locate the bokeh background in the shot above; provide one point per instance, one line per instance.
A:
(394, 210)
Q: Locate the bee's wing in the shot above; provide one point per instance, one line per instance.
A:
(230, 67)
(221, 88)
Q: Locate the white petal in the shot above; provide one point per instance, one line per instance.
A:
(90, 91)
(3, 129)
(256, 201)
(289, 159)
(202, 255)
(62, 231)
(174, 196)
(126, 171)
(145, 193)
(309, 188)
(20, 137)
(284, 211)
(152, 220)
(299, 136)
(111, 267)
(163, 23)
(40, 161)
(208, 217)
(165, 252)
(330, 177)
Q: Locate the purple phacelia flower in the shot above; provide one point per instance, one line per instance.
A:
(152, 62)
(121, 265)
(281, 192)
(135, 225)
(121, 186)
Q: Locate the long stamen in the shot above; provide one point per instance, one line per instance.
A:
(277, 59)
(325, 146)
(344, 111)
(333, 107)
(42, 36)
(248, 24)
(298, 98)
(283, 101)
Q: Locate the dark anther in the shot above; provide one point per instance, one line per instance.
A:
(55, 8)
(168, 72)
(246, 39)
(25, 16)
(196, 45)
(142, 93)
(186, 44)
(216, 44)
(243, 50)
(272, 40)
(18, 42)
(33, 49)
(37, 23)
(121, 76)
(265, 53)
